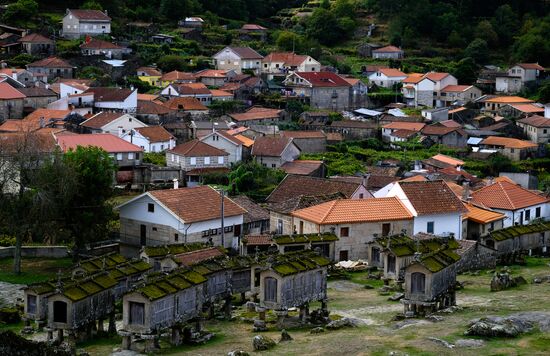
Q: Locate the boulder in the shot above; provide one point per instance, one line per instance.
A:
(238, 353)
(502, 281)
(442, 342)
(472, 343)
(498, 327)
(262, 343)
(344, 323)
(317, 330)
(396, 297)
(285, 336)
(259, 325)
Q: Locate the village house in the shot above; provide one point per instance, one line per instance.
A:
(258, 115)
(186, 215)
(418, 90)
(435, 207)
(458, 94)
(516, 77)
(282, 63)
(388, 52)
(251, 31)
(151, 138)
(37, 97)
(12, 102)
(198, 91)
(191, 22)
(322, 243)
(187, 106)
(387, 77)
(153, 112)
(256, 218)
(359, 92)
(480, 220)
(389, 129)
(9, 42)
(197, 158)
(536, 127)
(356, 222)
(493, 104)
(114, 99)
(51, 67)
(512, 148)
(176, 77)
(221, 95)
(238, 59)
(149, 75)
(320, 90)
(352, 129)
(521, 206)
(225, 142)
(21, 75)
(273, 152)
(448, 136)
(517, 111)
(114, 123)
(97, 47)
(78, 23)
(36, 44)
(311, 168)
(213, 77)
(308, 141)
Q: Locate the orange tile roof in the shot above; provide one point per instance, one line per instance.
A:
(258, 240)
(387, 49)
(303, 167)
(508, 142)
(177, 75)
(506, 196)
(220, 93)
(436, 76)
(508, 100)
(456, 88)
(108, 142)
(196, 148)
(147, 97)
(344, 211)
(528, 108)
(449, 160)
(185, 103)
(211, 73)
(36, 38)
(304, 134)
(155, 133)
(411, 126)
(504, 179)
(246, 142)
(194, 257)
(392, 72)
(287, 58)
(101, 119)
(457, 189)
(432, 197)
(150, 71)
(530, 66)
(50, 62)
(96, 43)
(481, 215)
(7, 92)
(536, 121)
(256, 114)
(416, 178)
(194, 204)
(414, 78)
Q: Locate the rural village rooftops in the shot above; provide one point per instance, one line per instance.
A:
(197, 148)
(323, 79)
(108, 142)
(536, 121)
(296, 185)
(506, 196)
(355, 211)
(101, 119)
(508, 142)
(50, 62)
(155, 133)
(432, 197)
(270, 146)
(481, 215)
(90, 15)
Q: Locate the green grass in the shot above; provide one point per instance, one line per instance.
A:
(33, 269)
(12, 327)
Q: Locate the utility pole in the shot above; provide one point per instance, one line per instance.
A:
(223, 227)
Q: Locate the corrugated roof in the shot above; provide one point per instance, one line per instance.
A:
(507, 196)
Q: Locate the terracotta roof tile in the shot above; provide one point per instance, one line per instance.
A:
(196, 148)
(36, 38)
(528, 108)
(51, 62)
(194, 204)
(448, 160)
(37, 92)
(530, 66)
(287, 58)
(101, 119)
(436, 76)
(411, 126)
(211, 73)
(7, 92)
(355, 211)
(103, 94)
(256, 113)
(150, 71)
(432, 197)
(392, 72)
(258, 240)
(323, 79)
(387, 49)
(108, 142)
(175, 76)
(508, 100)
(246, 53)
(507, 196)
(414, 78)
(270, 146)
(94, 15)
(216, 93)
(302, 167)
(185, 103)
(304, 134)
(155, 133)
(43, 142)
(436, 130)
(455, 88)
(192, 89)
(508, 142)
(95, 43)
(403, 133)
(194, 257)
(481, 215)
(449, 123)
(245, 141)
(254, 212)
(146, 107)
(297, 185)
(536, 121)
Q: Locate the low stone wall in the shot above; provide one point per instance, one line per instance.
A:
(476, 258)
(36, 251)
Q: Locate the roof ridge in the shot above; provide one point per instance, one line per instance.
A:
(332, 205)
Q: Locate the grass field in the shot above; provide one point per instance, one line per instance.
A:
(33, 269)
(380, 335)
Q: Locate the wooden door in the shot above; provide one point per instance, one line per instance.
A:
(137, 313)
(343, 255)
(143, 235)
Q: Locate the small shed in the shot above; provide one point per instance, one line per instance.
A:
(430, 281)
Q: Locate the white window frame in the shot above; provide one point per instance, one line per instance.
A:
(206, 160)
(193, 161)
(130, 155)
(220, 159)
(119, 156)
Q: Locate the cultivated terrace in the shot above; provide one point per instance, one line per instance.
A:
(286, 177)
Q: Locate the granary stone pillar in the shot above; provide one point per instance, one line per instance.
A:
(261, 312)
(100, 327)
(302, 314)
(306, 309)
(112, 324)
(281, 314)
(227, 307)
(126, 339)
(176, 336)
(50, 333)
(60, 335)
(149, 342)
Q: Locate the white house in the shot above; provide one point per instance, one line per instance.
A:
(78, 23)
(71, 88)
(151, 139)
(281, 63)
(273, 152)
(238, 59)
(418, 90)
(227, 143)
(516, 77)
(520, 205)
(115, 99)
(181, 215)
(114, 123)
(387, 77)
(435, 207)
(198, 91)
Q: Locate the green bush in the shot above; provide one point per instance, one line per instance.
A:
(6, 241)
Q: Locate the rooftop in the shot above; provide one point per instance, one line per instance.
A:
(536, 121)
(155, 133)
(197, 148)
(270, 146)
(508, 142)
(108, 142)
(323, 79)
(506, 196)
(297, 185)
(302, 167)
(101, 119)
(481, 215)
(94, 15)
(432, 197)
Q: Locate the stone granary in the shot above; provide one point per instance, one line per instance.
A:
(430, 281)
(514, 241)
(395, 253)
(289, 280)
(154, 255)
(323, 243)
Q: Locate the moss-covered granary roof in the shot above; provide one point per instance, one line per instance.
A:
(515, 231)
(304, 238)
(296, 262)
(176, 249)
(78, 288)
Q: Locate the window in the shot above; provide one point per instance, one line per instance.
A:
(391, 264)
(545, 130)
(31, 304)
(154, 228)
(193, 161)
(59, 312)
(176, 237)
(511, 150)
(527, 214)
(119, 156)
(386, 229)
(228, 228)
(151, 207)
(279, 226)
(171, 157)
(206, 160)
(418, 282)
(205, 233)
(130, 155)
(137, 313)
(361, 196)
(213, 231)
(375, 254)
(537, 212)
(270, 292)
(344, 231)
(430, 227)
(273, 165)
(220, 160)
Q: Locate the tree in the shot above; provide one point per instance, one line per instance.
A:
(176, 9)
(478, 50)
(21, 11)
(466, 70)
(92, 5)
(505, 23)
(325, 4)
(485, 31)
(289, 41)
(172, 62)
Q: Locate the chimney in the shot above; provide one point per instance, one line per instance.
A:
(466, 192)
(417, 165)
(120, 131)
(42, 122)
(176, 183)
(365, 180)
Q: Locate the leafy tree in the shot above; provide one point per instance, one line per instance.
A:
(325, 4)
(498, 163)
(288, 41)
(344, 8)
(478, 50)
(156, 158)
(466, 70)
(505, 23)
(455, 39)
(176, 9)
(254, 180)
(92, 5)
(485, 31)
(172, 62)
(222, 107)
(20, 11)
(295, 108)
(544, 93)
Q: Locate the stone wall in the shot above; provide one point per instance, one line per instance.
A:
(476, 258)
(36, 251)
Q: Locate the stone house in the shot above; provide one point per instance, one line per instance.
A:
(225, 142)
(512, 148)
(475, 256)
(51, 67)
(180, 215)
(256, 218)
(356, 222)
(114, 99)
(213, 77)
(308, 141)
(151, 138)
(198, 91)
(458, 94)
(123, 153)
(479, 220)
(153, 113)
(114, 123)
(536, 127)
(258, 115)
(36, 44)
(281, 63)
(387, 77)
(493, 104)
(520, 206)
(273, 152)
(514, 241)
(12, 102)
(320, 90)
(78, 23)
(37, 97)
(352, 129)
(418, 90)
(392, 127)
(435, 207)
(97, 47)
(448, 136)
(238, 59)
(306, 167)
(388, 52)
(516, 77)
